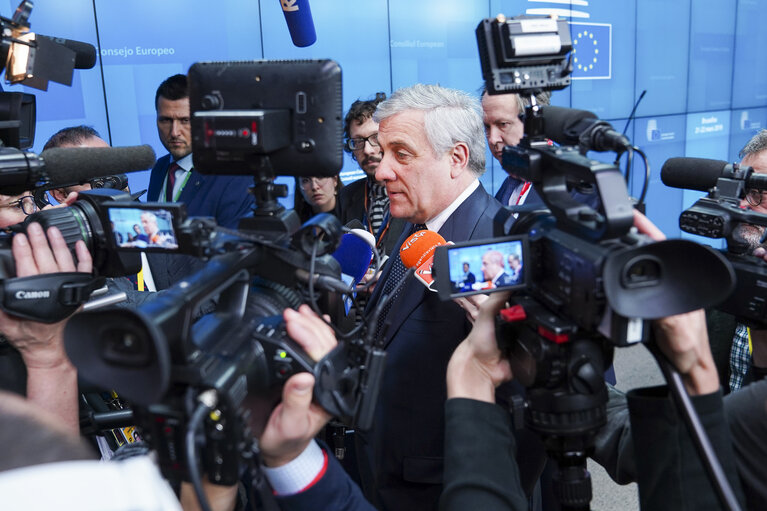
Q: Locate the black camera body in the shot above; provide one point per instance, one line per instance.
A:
(203, 363)
(718, 215)
(593, 282)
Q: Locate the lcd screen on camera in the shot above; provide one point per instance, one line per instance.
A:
(481, 267)
(142, 227)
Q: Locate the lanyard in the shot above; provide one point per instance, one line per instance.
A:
(523, 192)
(180, 188)
(384, 223)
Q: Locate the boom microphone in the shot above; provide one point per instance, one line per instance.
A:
(702, 174)
(568, 126)
(22, 171)
(299, 17)
(77, 164)
(85, 54)
(418, 252)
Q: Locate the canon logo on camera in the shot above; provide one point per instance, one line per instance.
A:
(32, 295)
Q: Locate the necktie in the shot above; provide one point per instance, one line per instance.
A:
(171, 181)
(396, 274)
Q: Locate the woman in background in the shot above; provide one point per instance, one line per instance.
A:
(317, 195)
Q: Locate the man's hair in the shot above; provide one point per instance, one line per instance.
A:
(173, 88)
(359, 112)
(513, 257)
(495, 257)
(450, 116)
(149, 215)
(757, 144)
(72, 136)
(542, 98)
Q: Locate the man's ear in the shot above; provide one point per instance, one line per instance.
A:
(459, 159)
(59, 194)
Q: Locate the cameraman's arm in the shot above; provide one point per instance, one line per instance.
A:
(294, 463)
(480, 469)
(684, 338)
(51, 377)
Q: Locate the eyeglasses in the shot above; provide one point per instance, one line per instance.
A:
(309, 181)
(754, 197)
(358, 144)
(26, 204)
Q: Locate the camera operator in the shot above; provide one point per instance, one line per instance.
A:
(51, 379)
(75, 136)
(479, 467)
(730, 340)
(303, 475)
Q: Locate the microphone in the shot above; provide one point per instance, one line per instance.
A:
(300, 25)
(22, 171)
(418, 252)
(85, 54)
(65, 165)
(354, 254)
(569, 126)
(702, 174)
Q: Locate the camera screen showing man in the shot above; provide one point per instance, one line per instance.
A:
(141, 228)
(490, 258)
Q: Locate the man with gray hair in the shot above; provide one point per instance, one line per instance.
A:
(433, 153)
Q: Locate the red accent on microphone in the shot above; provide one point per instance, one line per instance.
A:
(419, 247)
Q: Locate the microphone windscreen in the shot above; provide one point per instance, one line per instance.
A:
(692, 173)
(66, 165)
(354, 223)
(419, 246)
(559, 124)
(300, 25)
(85, 54)
(354, 255)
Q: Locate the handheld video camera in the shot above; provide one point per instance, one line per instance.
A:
(718, 215)
(215, 380)
(590, 281)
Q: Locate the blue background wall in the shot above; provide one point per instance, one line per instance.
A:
(701, 63)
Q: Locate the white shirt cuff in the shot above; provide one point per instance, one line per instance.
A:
(298, 474)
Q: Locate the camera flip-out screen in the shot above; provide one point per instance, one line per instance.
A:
(148, 228)
(481, 266)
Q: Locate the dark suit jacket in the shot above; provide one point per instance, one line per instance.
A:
(334, 491)
(352, 205)
(534, 199)
(504, 280)
(401, 457)
(225, 198)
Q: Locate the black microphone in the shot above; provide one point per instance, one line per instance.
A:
(568, 126)
(22, 171)
(85, 54)
(702, 174)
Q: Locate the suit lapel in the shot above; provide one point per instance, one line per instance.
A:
(459, 226)
(157, 177)
(195, 183)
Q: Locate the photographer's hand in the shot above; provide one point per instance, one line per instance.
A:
(477, 366)
(471, 305)
(684, 338)
(51, 377)
(297, 420)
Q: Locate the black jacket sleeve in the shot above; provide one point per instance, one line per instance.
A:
(480, 469)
